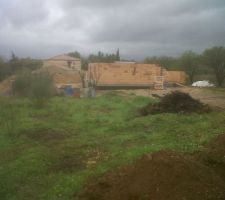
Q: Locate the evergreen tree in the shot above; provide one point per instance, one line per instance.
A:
(215, 59)
(118, 54)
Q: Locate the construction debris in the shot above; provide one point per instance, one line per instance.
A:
(203, 84)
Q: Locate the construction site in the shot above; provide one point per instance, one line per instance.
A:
(128, 75)
(70, 79)
(117, 131)
(112, 100)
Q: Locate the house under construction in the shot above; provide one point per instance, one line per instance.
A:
(66, 72)
(131, 75)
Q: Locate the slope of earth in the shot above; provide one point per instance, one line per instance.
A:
(166, 175)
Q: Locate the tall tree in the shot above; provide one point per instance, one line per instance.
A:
(118, 54)
(13, 57)
(14, 62)
(215, 59)
(190, 62)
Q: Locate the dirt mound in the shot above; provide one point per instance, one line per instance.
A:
(175, 102)
(158, 176)
(214, 155)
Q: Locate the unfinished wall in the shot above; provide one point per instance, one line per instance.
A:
(175, 77)
(116, 74)
(123, 73)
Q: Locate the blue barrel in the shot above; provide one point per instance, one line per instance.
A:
(69, 91)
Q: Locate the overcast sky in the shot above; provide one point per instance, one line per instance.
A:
(140, 28)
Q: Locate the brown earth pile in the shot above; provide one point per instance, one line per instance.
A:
(214, 155)
(165, 175)
(175, 102)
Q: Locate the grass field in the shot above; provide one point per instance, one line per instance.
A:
(49, 152)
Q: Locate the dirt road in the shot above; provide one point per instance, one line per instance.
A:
(212, 96)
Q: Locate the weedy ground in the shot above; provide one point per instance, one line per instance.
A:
(49, 152)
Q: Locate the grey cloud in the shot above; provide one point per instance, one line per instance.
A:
(138, 27)
(20, 12)
(193, 30)
(99, 4)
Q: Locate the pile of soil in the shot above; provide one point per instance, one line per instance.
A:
(165, 175)
(214, 155)
(175, 102)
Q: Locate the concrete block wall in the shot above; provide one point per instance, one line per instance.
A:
(175, 77)
(123, 73)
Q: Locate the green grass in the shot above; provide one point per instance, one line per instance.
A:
(54, 149)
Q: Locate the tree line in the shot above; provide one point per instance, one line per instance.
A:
(15, 65)
(211, 61)
(94, 58)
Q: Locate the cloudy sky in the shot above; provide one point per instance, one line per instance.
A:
(140, 28)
